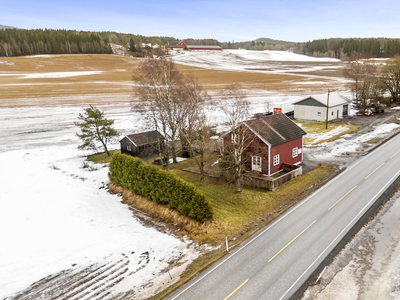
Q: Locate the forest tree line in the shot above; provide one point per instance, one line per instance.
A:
(343, 48)
(16, 42)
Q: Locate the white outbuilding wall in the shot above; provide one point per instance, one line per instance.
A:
(317, 113)
(314, 108)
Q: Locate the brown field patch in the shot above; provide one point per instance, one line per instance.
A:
(113, 79)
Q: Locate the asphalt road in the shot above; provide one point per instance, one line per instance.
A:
(276, 262)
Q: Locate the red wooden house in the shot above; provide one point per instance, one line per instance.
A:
(176, 45)
(270, 142)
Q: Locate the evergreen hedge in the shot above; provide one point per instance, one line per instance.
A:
(159, 186)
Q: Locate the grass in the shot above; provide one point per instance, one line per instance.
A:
(235, 214)
(374, 140)
(101, 158)
(317, 128)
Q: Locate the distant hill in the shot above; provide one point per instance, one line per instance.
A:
(271, 41)
(259, 44)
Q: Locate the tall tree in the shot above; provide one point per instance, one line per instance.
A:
(364, 75)
(391, 78)
(195, 131)
(236, 111)
(160, 85)
(132, 46)
(95, 129)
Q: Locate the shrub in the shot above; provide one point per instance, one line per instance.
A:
(159, 186)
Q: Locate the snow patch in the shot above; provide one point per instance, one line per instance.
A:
(252, 61)
(316, 137)
(57, 216)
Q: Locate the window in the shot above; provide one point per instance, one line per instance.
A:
(128, 147)
(256, 163)
(332, 113)
(319, 114)
(295, 152)
(276, 160)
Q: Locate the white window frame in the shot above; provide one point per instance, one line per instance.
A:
(256, 163)
(276, 160)
(295, 152)
(129, 147)
(319, 113)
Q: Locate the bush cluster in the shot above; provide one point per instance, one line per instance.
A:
(159, 186)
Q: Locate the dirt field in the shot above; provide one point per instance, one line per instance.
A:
(46, 80)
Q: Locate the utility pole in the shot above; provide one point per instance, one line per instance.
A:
(327, 111)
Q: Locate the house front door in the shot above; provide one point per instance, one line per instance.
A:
(256, 163)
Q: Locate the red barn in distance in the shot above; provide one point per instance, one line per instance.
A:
(183, 46)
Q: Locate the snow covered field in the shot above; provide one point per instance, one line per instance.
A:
(59, 225)
(256, 61)
(57, 216)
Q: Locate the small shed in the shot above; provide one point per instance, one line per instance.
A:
(314, 108)
(142, 144)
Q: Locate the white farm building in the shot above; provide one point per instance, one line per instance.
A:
(314, 108)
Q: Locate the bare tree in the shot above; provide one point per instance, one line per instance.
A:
(194, 128)
(236, 110)
(160, 85)
(364, 75)
(391, 78)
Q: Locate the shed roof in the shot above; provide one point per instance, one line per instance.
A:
(145, 138)
(275, 129)
(321, 100)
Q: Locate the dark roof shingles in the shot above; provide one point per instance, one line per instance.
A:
(276, 129)
(145, 138)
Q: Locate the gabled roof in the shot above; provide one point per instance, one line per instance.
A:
(176, 44)
(145, 138)
(275, 129)
(321, 100)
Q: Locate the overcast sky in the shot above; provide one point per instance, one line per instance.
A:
(224, 20)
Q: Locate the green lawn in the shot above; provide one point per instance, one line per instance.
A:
(236, 213)
(314, 129)
(101, 158)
